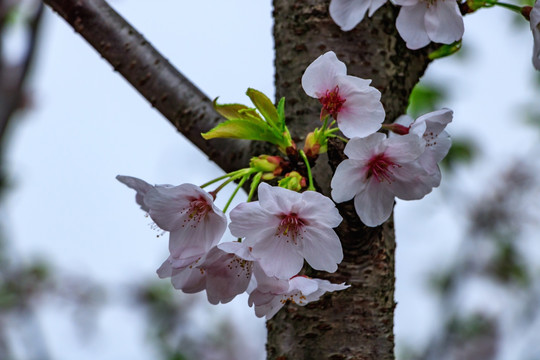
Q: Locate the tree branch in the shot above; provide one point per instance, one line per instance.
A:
(170, 92)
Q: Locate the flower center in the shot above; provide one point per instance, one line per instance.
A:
(198, 209)
(331, 102)
(290, 226)
(380, 167)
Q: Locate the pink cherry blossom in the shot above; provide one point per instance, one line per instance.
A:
(224, 272)
(419, 22)
(535, 28)
(349, 99)
(272, 293)
(379, 169)
(431, 127)
(349, 13)
(284, 227)
(186, 211)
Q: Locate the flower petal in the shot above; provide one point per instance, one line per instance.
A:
(348, 13)
(443, 22)
(320, 75)
(374, 205)
(348, 180)
(410, 25)
(322, 248)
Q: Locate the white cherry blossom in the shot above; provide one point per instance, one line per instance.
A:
(377, 170)
(431, 127)
(186, 211)
(535, 28)
(285, 227)
(350, 100)
(421, 21)
(349, 13)
(272, 293)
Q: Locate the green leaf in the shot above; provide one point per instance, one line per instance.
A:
(236, 111)
(445, 50)
(281, 113)
(265, 107)
(246, 129)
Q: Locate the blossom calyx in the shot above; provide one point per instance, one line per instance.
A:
(293, 181)
(270, 166)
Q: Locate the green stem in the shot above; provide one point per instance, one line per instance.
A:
(512, 7)
(254, 183)
(236, 191)
(233, 173)
(340, 138)
(310, 177)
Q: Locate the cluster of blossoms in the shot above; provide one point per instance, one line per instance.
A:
(280, 230)
(421, 22)
(379, 167)
(291, 223)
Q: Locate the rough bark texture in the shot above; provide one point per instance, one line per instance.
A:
(352, 324)
(356, 323)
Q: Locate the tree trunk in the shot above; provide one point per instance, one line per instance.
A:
(356, 323)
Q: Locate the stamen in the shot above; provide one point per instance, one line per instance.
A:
(290, 226)
(380, 167)
(331, 102)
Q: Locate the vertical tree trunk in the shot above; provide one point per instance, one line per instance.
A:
(356, 323)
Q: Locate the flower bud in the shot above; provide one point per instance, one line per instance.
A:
(293, 181)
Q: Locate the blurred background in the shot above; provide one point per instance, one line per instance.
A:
(78, 257)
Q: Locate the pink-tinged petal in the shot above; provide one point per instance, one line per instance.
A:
(239, 249)
(303, 284)
(435, 152)
(374, 205)
(410, 25)
(407, 2)
(435, 121)
(348, 13)
(197, 237)
(348, 180)
(362, 113)
(325, 286)
(279, 257)
(140, 186)
(277, 200)
(363, 148)
(404, 148)
(190, 280)
(411, 182)
(165, 270)
(315, 208)
(320, 75)
(322, 248)
(249, 220)
(443, 22)
(375, 5)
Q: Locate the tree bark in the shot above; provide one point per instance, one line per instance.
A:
(356, 323)
(353, 324)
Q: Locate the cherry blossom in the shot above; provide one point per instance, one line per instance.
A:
(431, 127)
(186, 211)
(272, 293)
(421, 21)
(379, 169)
(284, 227)
(349, 13)
(535, 27)
(348, 99)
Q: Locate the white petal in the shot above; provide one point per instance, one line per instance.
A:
(436, 121)
(362, 113)
(319, 209)
(348, 13)
(249, 220)
(405, 148)
(374, 205)
(443, 21)
(410, 25)
(140, 186)
(320, 75)
(375, 5)
(322, 248)
(277, 200)
(362, 149)
(278, 257)
(348, 180)
(535, 28)
(411, 182)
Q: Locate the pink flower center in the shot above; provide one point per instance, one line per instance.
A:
(198, 208)
(290, 226)
(380, 167)
(331, 102)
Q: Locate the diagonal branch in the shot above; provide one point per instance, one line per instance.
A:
(170, 92)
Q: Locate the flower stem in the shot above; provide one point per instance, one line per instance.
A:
(223, 177)
(244, 178)
(512, 7)
(308, 167)
(254, 183)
